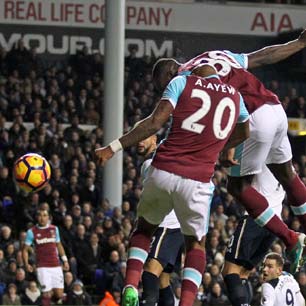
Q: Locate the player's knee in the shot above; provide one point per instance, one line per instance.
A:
(153, 266)
(236, 291)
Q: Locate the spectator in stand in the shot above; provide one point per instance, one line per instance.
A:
(11, 297)
(6, 237)
(112, 268)
(77, 295)
(68, 281)
(18, 58)
(32, 295)
(91, 257)
(216, 297)
(20, 280)
(7, 186)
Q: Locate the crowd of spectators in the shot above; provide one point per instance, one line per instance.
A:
(94, 234)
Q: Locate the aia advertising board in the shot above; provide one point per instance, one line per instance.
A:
(60, 28)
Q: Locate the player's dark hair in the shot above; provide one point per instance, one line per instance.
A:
(275, 256)
(160, 67)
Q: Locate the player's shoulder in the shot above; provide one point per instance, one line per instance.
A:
(273, 282)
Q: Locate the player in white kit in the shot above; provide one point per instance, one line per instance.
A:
(279, 288)
(166, 246)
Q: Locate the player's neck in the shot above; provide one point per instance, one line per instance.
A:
(42, 226)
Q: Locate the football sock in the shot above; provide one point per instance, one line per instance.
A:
(192, 276)
(150, 284)
(45, 301)
(237, 293)
(166, 297)
(296, 191)
(248, 289)
(137, 255)
(258, 208)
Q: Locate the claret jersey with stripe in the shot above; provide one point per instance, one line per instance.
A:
(205, 113)
(44, 240)
(231, 68)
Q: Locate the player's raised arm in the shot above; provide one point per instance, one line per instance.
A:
(276, 53)
(63, 256)
(145, 128)
(150, 125)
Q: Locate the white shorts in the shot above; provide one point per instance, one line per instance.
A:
(268, 142)
(50, 278)
(190, 199)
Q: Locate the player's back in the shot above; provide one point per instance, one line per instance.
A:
(286, 291)
(232, 70)
(203, 119)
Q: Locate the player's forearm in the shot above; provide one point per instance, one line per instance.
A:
(274, 54)
(143, 130)
(61, 252)
(25, 256)
(240, 133)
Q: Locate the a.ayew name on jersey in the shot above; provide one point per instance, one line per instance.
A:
(217, 87)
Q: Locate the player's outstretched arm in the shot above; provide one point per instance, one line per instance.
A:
(63, 256)
(276, 53)
(145, 128)
(25, 257)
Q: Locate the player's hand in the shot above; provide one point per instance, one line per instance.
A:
(29, 268)
(103, 155)
(227, 159)
(66, 266)
(302, 38)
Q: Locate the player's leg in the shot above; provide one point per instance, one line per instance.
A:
(232, 271)
(193, 199)
(45, 280)
(137, 254)
(160, 259)
(155, 194)
(295, 188)
(57, 284)
(252, 154)
(234, 278)
(57, 295)
(177, 245)
(246, 248)
(195, 263)
(152, 271)
(280, 164)
(166, 296)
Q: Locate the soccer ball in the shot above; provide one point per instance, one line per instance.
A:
(32, 172)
